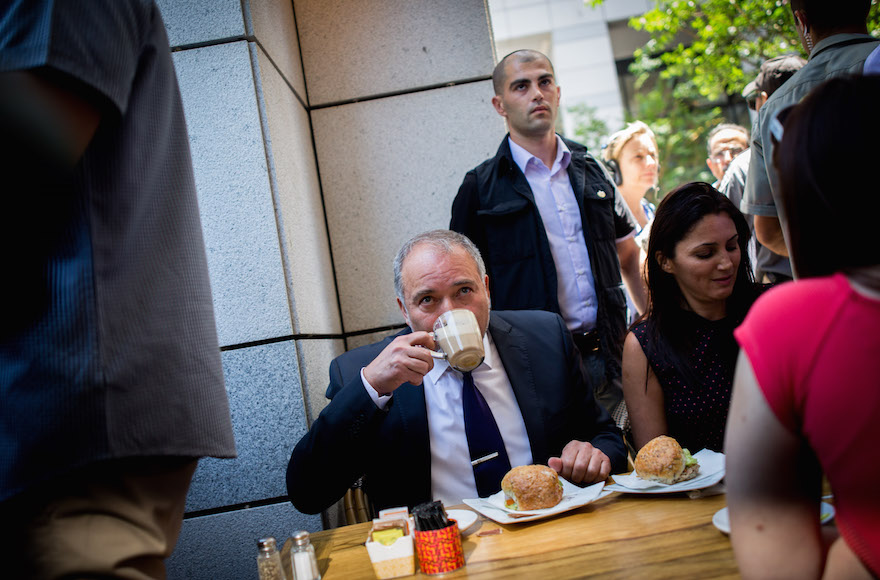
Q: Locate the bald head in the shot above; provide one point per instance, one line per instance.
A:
(499, 75)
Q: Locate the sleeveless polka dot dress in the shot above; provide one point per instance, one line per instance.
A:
(696, 410)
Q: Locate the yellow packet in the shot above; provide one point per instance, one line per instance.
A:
(388, 536)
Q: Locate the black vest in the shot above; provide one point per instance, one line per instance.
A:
(495, 207)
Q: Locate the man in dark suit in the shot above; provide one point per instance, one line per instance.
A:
(396, 416)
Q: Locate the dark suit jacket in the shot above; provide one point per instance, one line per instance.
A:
(390, 447)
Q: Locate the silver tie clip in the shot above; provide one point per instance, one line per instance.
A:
(483, 459)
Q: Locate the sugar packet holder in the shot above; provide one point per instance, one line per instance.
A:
(390, 544)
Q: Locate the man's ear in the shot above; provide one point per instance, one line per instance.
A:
(761, 100)
(499, 106)
(404, 312)
(801, 18)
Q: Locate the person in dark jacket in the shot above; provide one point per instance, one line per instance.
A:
(554, 231)
(111, 380)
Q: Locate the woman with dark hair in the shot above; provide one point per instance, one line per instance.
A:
(807, 388)
(678, 360)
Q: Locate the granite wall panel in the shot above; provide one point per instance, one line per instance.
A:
(224, 546)
(201, 21)
(232, 179)
(315, 356)
(390, 169)
(299, 209)
(354, 49)
(268, 418)
(272, 24)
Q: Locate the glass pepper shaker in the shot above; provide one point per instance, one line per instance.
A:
(269, 560)
(302, 558)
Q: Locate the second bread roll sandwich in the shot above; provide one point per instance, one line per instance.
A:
(663, 460)
(531, 487)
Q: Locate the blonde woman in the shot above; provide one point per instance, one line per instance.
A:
(631, 157)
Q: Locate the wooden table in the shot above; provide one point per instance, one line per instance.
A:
(619, 536)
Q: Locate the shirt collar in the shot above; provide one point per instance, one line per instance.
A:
(838, 39)
(522, 157)
(441, 366)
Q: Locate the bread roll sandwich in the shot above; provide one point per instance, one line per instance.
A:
(662, 459)
(531, 487)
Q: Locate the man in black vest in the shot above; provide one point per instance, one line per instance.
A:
(551, 226)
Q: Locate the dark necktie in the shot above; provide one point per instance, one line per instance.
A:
(488, 456)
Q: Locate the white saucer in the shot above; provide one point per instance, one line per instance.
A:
(721, 519)
(465, 518)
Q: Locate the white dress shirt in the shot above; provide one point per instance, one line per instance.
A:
(452, 476)
(561, 216)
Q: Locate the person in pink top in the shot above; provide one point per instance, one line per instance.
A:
(806, 397)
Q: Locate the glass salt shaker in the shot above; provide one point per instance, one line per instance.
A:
(302, 558)
(269, 560)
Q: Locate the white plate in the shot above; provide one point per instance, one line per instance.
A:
(711, 472)
(573, 497)
(721, 519)
(465, 519)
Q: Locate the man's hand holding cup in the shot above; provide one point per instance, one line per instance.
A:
(407, 359)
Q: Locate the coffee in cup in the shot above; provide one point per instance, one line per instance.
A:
(461, 342)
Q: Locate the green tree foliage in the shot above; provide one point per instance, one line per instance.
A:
(699, 51)
(681, 128)
(590, 129)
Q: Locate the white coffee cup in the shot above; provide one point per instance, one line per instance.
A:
(461, 343)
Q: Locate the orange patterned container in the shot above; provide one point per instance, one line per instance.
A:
(439, 551)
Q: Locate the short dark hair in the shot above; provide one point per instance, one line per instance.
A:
(499, 78)
(827, 149)
(776, 71)
(826, 15)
